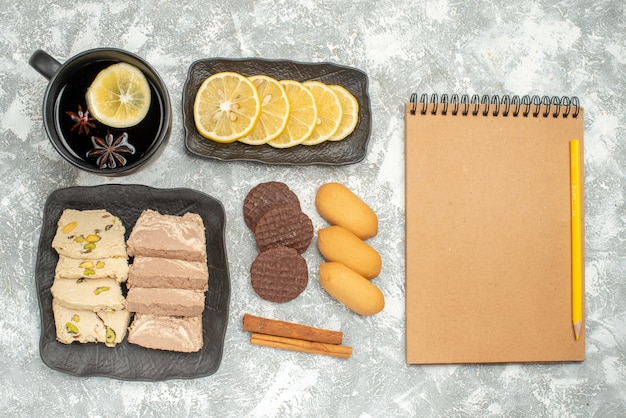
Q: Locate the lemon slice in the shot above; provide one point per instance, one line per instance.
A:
(274, 111)
(119, 96)
(349, 113)
(302, 115)
(227, 107)
(328, 112)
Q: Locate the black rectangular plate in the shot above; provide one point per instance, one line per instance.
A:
(350, 150)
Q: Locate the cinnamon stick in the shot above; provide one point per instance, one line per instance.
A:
(290, 330)
(293, 344)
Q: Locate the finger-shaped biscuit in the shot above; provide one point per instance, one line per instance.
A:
(336, 243)
(340, 206)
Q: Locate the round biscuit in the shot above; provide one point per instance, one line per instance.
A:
(279, 274)
(263, 197)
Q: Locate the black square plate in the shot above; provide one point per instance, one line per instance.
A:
(128, 361)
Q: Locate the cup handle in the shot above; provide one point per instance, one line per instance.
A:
(44, 64)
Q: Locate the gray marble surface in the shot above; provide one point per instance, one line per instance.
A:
(571, 47)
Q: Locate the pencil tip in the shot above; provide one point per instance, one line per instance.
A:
(578, 326)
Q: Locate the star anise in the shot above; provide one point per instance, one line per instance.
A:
(109, 151)
(82, 119)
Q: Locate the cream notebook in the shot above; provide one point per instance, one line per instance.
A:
(488, 229)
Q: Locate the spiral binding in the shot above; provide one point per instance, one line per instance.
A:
(502, 105)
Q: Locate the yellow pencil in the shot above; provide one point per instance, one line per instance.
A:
(577, 254)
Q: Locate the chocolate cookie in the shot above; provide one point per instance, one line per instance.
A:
(263, 197)
(279, 274)
(284, 226)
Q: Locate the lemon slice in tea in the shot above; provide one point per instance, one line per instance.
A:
(274, 111)
(119, 96)
(302, 115)
(227, 107)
